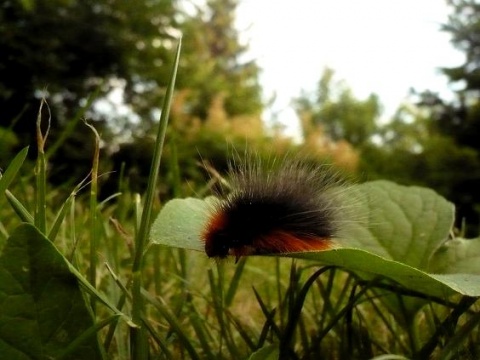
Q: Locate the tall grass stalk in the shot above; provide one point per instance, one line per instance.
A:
(139, 343)
(93, 214)
(41, 172)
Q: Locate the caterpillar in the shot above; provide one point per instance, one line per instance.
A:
(280, 207)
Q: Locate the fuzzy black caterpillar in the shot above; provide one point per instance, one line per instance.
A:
(280, 207)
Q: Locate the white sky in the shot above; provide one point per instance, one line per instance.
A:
(380, 46)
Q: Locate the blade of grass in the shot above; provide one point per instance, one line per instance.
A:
(304, 333)
(87, 334)
(347, 339)
(266, 328)
(326, 295)
(52, 234)
(3, 232)
(340, 314)
(146, 219)
(19, 209)
(409, 321)
(113, 326)
(343, 296)
(72, 233)
(119, 283)
(235, 281)
(380, 313)
(173, 322)
(139, 351)
(99, 296)
(218, 299)
(137, 206)
(445, 327)
(57, 223)
(41, 172)
(295, 311)
(398, 289)
(268, 314)
(162, 343)
(201, 331)
(7, 177)
(94, 236)
(278, 277)
(241, 330)
(182, 274)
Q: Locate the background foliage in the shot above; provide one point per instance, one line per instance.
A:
(81, 54)
(78, 54)
(69, 51)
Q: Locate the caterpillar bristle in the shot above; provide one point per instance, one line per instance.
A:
(275, 207)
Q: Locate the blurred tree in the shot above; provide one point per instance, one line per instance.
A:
(413, 151)
(335, 122)
(458, 120)
(66, 48)
(338, 112)
(428, 144)
(216, 64)
(464, 26)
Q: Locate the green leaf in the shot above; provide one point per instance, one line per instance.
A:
(397, 222)
(396, 233)
(180, 223)
(457, 256)
(42, 310)
(440, 285)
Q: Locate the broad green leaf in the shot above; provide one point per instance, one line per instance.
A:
(397, 222)
(42, 310)
(395, 233)
(406, 224)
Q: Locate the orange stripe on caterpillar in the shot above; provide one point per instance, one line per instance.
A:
(281, 242)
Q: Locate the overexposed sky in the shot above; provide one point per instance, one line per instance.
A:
(377, 46)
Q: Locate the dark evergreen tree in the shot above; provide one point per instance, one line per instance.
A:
(66, 49)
